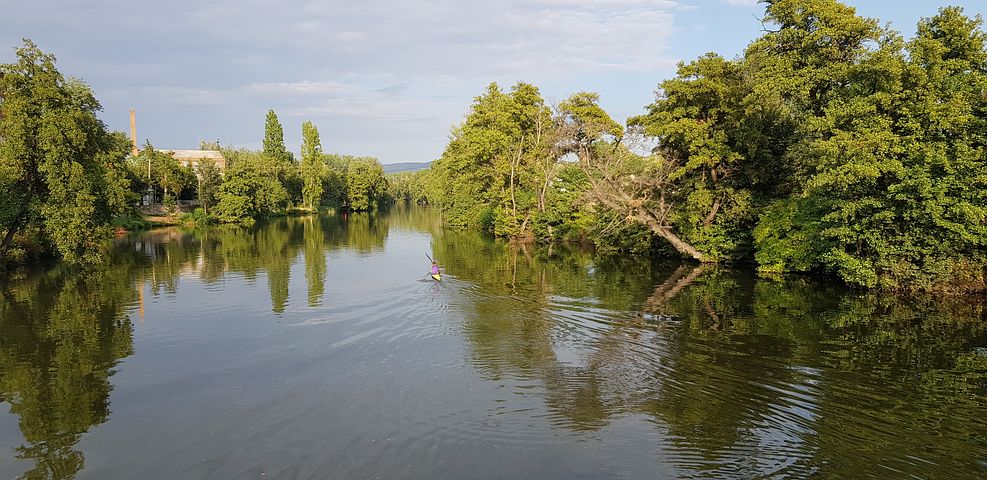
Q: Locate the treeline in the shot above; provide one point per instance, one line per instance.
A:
(832, 144)
(270, 181)
(266, 182)
(66, 181)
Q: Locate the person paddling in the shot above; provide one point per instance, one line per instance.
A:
(435, 268)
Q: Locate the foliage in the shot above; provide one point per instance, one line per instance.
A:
(411, 187)
(366, 185)
(334, 182)
(195, 219)
(167, 178)
(60, 170)
(312, 166)
(282, 162)
(209, 180)
(250, 188)
(489, 175)
(831, 144)
(895, 167)
(130, 222)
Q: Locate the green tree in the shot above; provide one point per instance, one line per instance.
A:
(312, 167)
(366, 184)
(280, 158)
(894, 166)
(334, 186)
(166, 173)
(58, 163)
(250, 188)
(487, 174)
(274, 148)
(209, 180)
(697, 121)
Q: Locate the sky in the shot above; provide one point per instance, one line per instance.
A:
(381, 78)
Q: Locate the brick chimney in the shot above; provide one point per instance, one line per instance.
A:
(133, 132)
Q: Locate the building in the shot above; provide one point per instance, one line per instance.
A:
(192, 158)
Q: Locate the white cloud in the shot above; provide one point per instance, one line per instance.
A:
(378, 63)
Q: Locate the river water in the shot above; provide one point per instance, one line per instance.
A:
(317, 347)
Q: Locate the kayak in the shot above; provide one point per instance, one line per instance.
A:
(437, 277)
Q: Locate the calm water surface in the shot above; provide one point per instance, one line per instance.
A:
(317, 348)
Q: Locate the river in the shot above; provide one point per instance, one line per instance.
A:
(317, 347)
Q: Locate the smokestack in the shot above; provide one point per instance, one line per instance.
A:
(133, 132)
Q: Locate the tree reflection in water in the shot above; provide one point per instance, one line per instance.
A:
(60, 336)
(745, 377)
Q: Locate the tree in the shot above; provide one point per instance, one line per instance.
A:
(274, 148)
(312, 167)
(366, 184)
(487, 170)
(893, 169)
(280, 158)
(697, 121)
(250, 188)
(165, 172)
(334, 186)
(209, 181)
(58, 163)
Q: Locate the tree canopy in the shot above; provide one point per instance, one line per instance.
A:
(831, 144)
(61, 171)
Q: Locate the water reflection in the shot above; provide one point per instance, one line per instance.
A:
(60, 336)
(734, 377)
(746, 378)
(267, 249)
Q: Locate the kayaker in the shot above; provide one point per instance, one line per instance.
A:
(435, 268)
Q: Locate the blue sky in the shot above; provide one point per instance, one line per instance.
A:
(380, 78)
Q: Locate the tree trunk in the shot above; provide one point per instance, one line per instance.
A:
(9, 237)
(712, 213)
(680, 245)
(665, 232)
(515, 162)
(542, 194)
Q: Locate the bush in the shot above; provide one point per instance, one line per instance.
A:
(195, 219)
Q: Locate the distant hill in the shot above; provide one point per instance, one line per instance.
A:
(406, 167)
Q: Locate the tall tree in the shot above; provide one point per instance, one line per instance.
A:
(488, 168)
(312, 167)
(639, 189)
(59, 167)
(285, 167)
(274, 140)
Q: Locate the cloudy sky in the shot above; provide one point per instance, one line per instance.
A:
(386, 78)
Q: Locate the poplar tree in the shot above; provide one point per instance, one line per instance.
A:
(282, 164)
(274, 140)
(312, 167)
